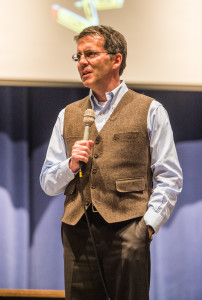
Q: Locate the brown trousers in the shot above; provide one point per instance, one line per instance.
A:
(124, 254)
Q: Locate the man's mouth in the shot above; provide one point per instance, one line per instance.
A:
(85, 73)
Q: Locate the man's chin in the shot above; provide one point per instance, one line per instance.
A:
(86, 83)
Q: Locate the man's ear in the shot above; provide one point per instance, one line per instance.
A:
(117, 60)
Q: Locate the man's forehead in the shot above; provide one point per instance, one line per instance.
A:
(91, 39)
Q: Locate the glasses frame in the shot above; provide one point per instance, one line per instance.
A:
(77, 59)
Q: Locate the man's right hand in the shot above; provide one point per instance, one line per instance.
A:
(81, 151)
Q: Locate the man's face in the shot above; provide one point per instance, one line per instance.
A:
(95, 72)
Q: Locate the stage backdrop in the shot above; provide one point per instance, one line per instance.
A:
(31, 254)
(164, 38)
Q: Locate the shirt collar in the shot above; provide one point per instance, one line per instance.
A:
(111, 96)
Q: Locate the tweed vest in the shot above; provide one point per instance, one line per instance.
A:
(117, 179)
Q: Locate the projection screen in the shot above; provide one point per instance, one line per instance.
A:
(164, 39)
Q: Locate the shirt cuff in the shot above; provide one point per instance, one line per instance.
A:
(65, 170)
(153, 219)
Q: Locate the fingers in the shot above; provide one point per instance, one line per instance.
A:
(151, 231)
(81, 151)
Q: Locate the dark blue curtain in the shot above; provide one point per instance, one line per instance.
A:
(31, 254)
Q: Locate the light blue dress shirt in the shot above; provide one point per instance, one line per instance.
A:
(167, 174)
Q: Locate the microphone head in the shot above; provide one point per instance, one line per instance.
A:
(89, 117)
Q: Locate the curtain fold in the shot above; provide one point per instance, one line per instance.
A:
(14, 189)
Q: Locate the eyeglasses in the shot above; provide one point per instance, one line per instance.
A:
(88, 55)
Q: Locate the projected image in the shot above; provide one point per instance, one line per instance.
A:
(76, 22)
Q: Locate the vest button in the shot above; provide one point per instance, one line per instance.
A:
(97, 141)
(87, 203)
(94, 170)
(93, 186)
(96, 155)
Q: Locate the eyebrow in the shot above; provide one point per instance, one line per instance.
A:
(90, 50)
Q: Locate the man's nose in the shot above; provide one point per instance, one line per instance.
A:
(83, 59)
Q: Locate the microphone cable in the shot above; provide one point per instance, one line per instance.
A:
(91, 234)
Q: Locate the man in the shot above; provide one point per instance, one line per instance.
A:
(131, 145)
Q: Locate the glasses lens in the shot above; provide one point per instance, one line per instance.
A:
(75, 57)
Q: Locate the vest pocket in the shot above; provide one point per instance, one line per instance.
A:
(70, 187)
(126, 136)
(128, 185)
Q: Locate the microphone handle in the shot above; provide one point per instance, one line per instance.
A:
(86, 133)
(86, 138)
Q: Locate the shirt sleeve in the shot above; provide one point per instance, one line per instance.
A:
(56, 174)
(167, 173)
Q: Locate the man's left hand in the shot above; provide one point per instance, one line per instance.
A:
(151, 231)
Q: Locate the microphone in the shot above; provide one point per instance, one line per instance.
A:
(88, 119)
